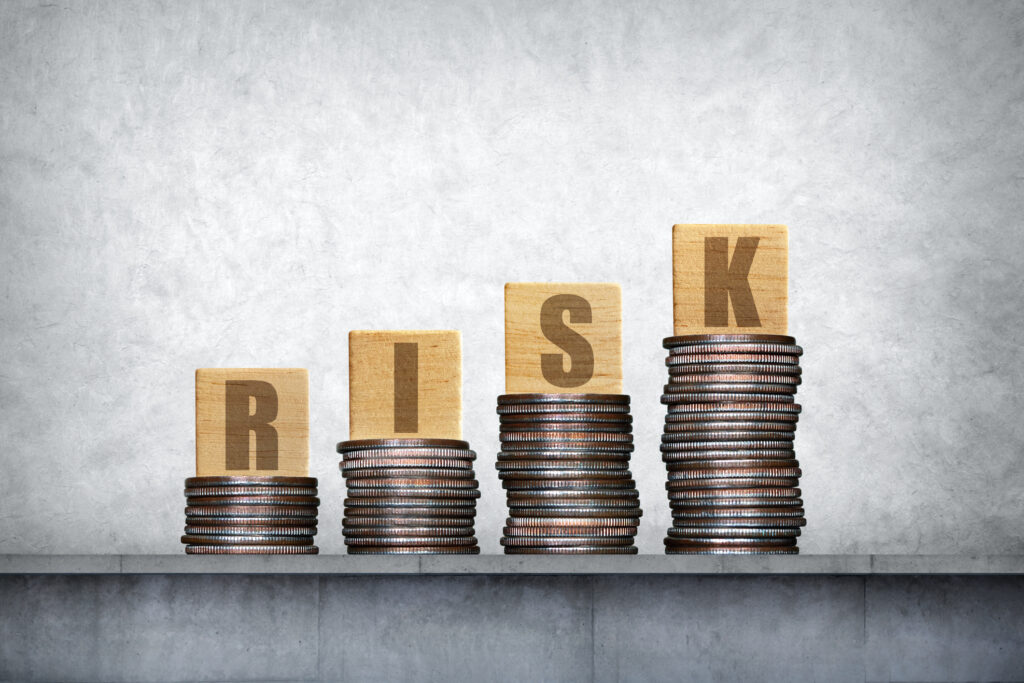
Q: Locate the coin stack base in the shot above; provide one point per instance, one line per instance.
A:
(564, 465)
(250, 515)
(728, 445)
(409, 497)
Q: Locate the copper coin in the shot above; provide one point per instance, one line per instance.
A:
(745, 407)
(518, 399)
(620, 521)
(588, 550)
(214, 491)
(366, 444)
(732, 472)
(197, 482)
(251, 550)
(389, 520)
(248, 530)
(399, 541)
(414, 492)
(211, 539)
(280, 511)
(563, 531)
(783, 492)
(564, 541)
(739, 512)
(735, 550)
(408, 532)
(418, 550)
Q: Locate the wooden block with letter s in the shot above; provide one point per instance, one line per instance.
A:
(730, 279)
(563, 338)
(405, 384)
(252, 421)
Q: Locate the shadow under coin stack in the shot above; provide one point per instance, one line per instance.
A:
(409, 497)
(564, 465)
(245, 515)
(728, 444)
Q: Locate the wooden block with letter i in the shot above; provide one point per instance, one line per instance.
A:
(563, 338)
(252, 421)
(405, 384)
(730, 279)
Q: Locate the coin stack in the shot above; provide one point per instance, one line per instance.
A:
(409, 497)
(728, 444)
(250, 515)
(564, 464)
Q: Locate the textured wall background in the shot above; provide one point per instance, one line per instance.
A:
(239, 184)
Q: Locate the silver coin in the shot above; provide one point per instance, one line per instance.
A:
(723, 426)
(563, 427)
(390, 521)
(348, 467)
(385, 483)
(573, 512)
(584, 399)
(517, 508)
(703, 542)
(410, 472)
(735, 463)
(737, 493)
(739, 388)
(617, 420)
(530, 485)
(398, 492)
(400, 443)
(251, 520)
(588, 550)
(206, 530)
(248, 480)
(778, 443)
(745, 407)
(255, 539)
(565, 542)
(791, 369)
(672, 456)
(403, 541)
(732, 473)
(561, 437)
(572, 495)
(416, 550)
(396, 502)
(555, 446)
(726, 503)
(408, 532)
(727, 513)
(676, 346)
(562, 531)
(564, 409)
(410, 512)
(695, 532)
(561, 465)
(739, 522)
(247, 491)
(581, 474)
(726, 483)
(573, 522)
(558, 454)
(732, 551)
(749, 358)
(727, 417)
(400, 454)
(251, 550)
(730, 437)
(706, 397)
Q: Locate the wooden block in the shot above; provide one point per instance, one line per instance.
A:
(252, 421)
(563, 338)
(405, 384)
(730, 279)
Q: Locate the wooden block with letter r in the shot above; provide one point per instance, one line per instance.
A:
(563, 338)
(405, 384)
(252, 421)
(730, 279)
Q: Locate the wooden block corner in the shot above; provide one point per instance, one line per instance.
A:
(405, 384)
(730, 279)
(252, 421)
(563, 337)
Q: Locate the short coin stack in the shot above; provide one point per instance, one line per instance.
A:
(409, 496)
(564, 464)
(250, 515)
(728, 444)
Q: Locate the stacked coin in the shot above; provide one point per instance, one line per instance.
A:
(564, 465)
(728, 444)
(409, 496)
(250, 515)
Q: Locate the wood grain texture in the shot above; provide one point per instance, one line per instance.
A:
(730, 279)
(372, 384)
(582, 332)
(225, 433)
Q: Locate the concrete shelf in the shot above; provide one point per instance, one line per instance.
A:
(340, 565)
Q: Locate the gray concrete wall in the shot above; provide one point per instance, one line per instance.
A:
(238, 184)
(568, 628)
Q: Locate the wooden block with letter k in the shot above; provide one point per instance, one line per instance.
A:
(730, 279)
(405, 384)
(252, 421)
(563, 338)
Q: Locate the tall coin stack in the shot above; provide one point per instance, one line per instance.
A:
(409, 496)
(246, 515)
(728, 444)
(564, 464)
